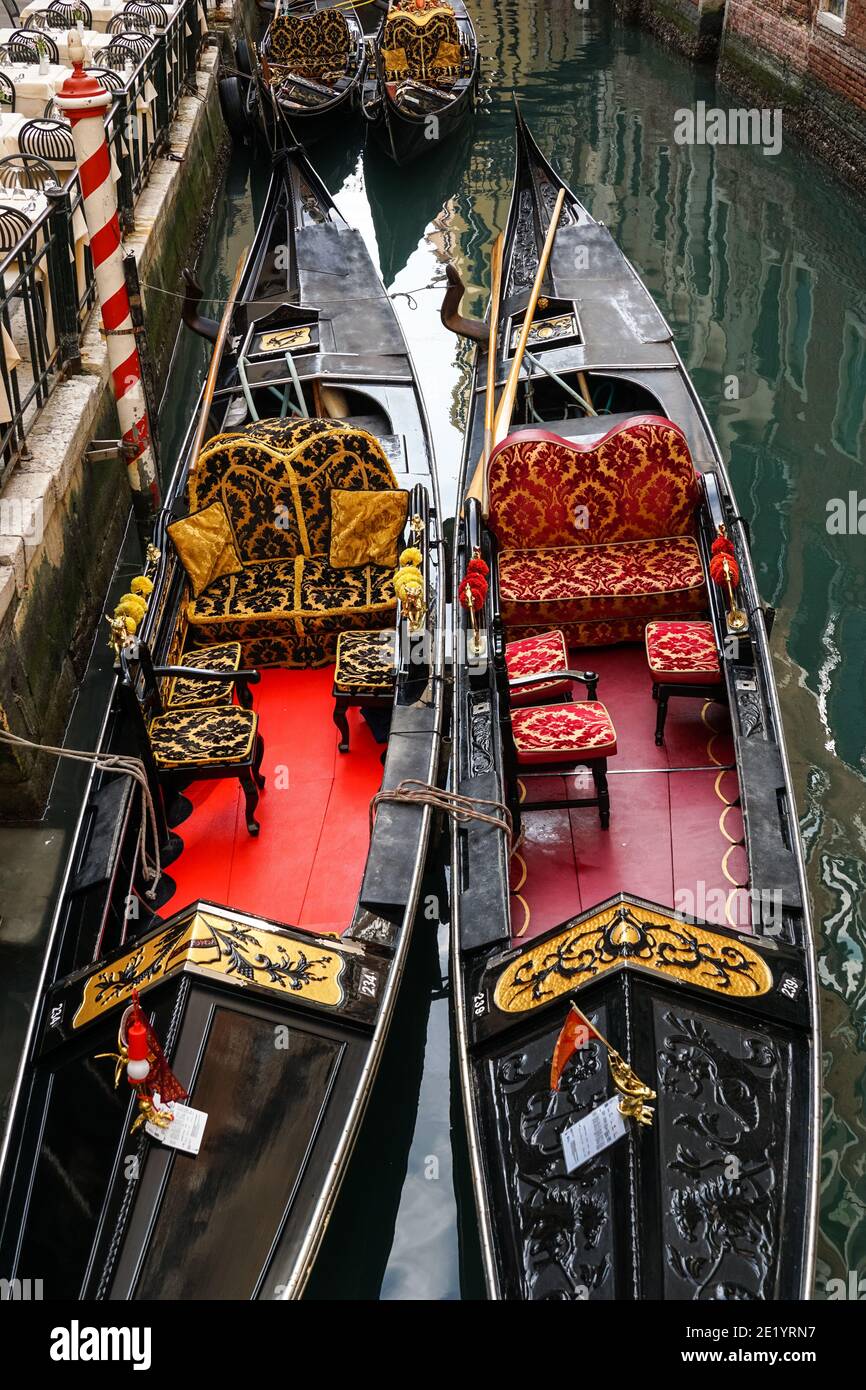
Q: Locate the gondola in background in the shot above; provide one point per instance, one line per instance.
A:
(259, 975)
(312, 57)
(421, 82)
(634, 935)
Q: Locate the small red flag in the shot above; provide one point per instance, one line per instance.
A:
(576, 1032)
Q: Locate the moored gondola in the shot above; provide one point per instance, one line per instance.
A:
(421, 82)
(312, 58)
(633, 964)
(258, 970)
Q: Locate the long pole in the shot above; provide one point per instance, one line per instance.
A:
(477, 486)
(509, 395)
(85, 101)
(216, 356)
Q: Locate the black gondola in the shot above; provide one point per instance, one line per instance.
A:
(682, 932)
(312, 57)
(421, 82)
(267, 963)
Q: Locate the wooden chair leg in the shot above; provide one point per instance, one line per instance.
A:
(251, 798)
(245, 695)
(342, 724)
(661, 716)
(257, 760)
(599, 777)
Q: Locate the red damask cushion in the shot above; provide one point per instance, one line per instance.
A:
(530, 656)
(636, 579)
(682, 653)
(637, 483)
(563, 733)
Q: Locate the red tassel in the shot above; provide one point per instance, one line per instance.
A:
(719, 564)
(473, 591)
(477, 566)
(160, 1078)
(722, 546)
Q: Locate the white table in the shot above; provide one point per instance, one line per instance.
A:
(92, 41)
(33, 87)
(102, 14)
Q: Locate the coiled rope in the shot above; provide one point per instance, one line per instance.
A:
(151, 870)
(462, 809)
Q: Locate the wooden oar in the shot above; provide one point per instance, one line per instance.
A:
(509, 395)
(476, 487)
(216, 355)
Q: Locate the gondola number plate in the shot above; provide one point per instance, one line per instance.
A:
(367, 984)
(592, 1134)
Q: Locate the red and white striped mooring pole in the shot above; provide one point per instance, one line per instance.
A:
(84, 100)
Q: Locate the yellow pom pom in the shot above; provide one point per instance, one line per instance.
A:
(142, 585)
(407, 582)
(411, 556)
(131, 606)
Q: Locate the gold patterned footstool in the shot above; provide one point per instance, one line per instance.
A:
(363, 677)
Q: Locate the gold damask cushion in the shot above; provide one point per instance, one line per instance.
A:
(365, 662)
(366, 527)
(206, 546)
(187, 694)
(199, 737)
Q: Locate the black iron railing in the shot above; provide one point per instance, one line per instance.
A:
(47, 289)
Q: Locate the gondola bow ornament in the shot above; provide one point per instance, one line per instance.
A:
(634, 1094)
(140, 1054)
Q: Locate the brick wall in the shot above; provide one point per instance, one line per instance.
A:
(779, 50)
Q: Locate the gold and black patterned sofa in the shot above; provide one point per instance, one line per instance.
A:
(317, 46)
(287, 604)
(421, 44)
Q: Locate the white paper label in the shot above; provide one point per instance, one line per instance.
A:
(185, 1131)
(592, 1134)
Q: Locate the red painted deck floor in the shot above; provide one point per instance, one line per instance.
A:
(674, 835)
(305, 867)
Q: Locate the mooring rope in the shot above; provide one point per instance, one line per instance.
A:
(213, 302)
(151, 871)
(411, 792)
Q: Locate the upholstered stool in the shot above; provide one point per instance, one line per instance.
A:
(683, 660)
(534, 656)
(547, 737)
(363, 677)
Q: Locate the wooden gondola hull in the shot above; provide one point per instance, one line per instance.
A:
(409, 138)
(275, 1027)
(717, 1197)
(407, 135)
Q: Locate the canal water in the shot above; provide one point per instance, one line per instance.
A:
(758, 262)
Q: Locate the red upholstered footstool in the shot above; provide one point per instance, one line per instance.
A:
(535, 656)
(683, 660)
(548, 738)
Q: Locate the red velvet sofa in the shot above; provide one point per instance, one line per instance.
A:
(596, 539)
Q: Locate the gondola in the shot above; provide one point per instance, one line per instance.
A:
(312, 56)
(258, 972)
(634, 973)
(421, 83)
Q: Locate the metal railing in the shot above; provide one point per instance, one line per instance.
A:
(46, 294)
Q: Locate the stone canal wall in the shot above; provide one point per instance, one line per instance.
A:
(807, 57)
(62, 517)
